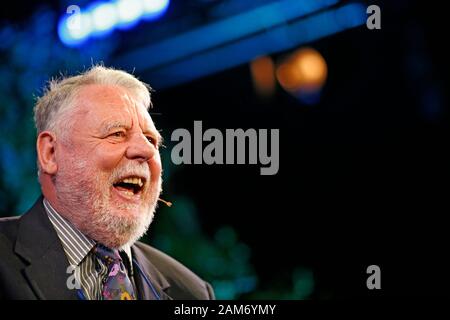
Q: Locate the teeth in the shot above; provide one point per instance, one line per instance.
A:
(137, 181)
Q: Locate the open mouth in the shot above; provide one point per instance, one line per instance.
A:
(130, 186)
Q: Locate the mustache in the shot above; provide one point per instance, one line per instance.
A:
(131, 169)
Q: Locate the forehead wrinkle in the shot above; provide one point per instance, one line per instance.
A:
(130, 109)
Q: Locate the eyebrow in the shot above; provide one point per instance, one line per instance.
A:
(109, 126)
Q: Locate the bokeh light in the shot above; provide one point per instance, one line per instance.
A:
(74, 30)
(101, 18)
(154, 8)
(104, 17)
(129, 12)
(305, 71)
(263, 76)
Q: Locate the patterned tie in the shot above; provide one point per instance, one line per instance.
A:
(117, 285)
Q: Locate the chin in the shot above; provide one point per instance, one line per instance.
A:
(105, 218)
(122, 226)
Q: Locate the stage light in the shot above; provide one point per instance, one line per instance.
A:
(130, 12)
(104, 18)
(263, 76)
(154, 8)
(75, 29)
(287, 77)
(100, 18)
(306, 71)
(196, 53)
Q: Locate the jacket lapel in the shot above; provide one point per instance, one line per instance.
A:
(38, 243)
(157, 280)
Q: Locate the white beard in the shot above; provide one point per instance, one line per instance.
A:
(94, 213)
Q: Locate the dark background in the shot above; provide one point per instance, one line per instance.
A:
(363, 175)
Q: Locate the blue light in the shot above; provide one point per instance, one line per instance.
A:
(74, 30)
(104, 18)
(217, 33)
(221, 57)
(101, 18)
(130, 12)
(154, 8)
(351, 15)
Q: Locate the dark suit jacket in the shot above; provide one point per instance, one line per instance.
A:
(33, 264)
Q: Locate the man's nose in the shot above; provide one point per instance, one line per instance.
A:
(140, 148)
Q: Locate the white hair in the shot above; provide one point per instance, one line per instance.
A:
(53, 109)
(58, 98)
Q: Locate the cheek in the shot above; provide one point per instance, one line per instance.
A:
(99, 156)
(107, 160)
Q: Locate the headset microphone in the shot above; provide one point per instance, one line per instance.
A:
(167, 203)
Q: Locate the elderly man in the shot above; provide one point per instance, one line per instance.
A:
(100, 173)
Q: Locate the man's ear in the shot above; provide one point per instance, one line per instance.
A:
(45, 146)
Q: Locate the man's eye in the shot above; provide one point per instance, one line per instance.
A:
(151, 140)
(118, 134)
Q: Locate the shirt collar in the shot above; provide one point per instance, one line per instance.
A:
(75, 244)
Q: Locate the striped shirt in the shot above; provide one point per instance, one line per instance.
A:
(90, 271)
